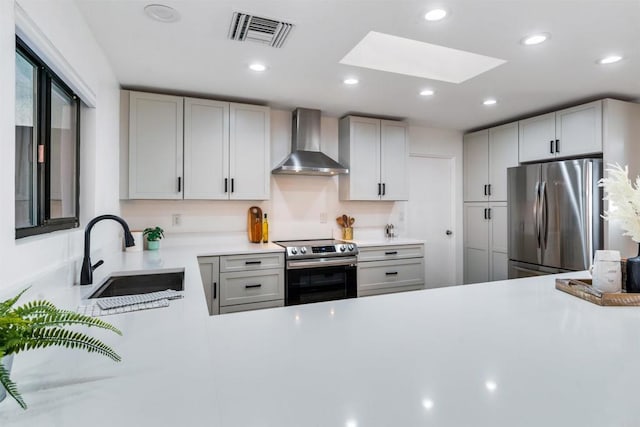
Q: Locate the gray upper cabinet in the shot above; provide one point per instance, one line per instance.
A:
(225, 149)
(375, 151)
(206, 149)
(249, 152)
(574, 131)
(155, 146)
(487, 155)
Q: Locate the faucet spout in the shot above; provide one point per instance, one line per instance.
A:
(86, 272)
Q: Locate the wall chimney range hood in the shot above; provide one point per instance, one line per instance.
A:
(305, 157)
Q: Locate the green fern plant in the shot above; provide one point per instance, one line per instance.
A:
(40, 324)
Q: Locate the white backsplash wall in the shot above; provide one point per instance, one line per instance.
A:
(300, 206)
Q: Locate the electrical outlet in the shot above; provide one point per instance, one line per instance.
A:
(176, 220)
(323, 217)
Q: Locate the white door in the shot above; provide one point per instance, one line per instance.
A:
(431, 214)
(394, 147)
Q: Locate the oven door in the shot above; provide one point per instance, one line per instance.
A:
(320, 280)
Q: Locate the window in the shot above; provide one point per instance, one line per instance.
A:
(47, 148)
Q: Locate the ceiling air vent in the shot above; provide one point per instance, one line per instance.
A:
(262, 30)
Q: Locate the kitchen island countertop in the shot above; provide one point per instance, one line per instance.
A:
(507, 353)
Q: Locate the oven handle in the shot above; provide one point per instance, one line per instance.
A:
(322, 262)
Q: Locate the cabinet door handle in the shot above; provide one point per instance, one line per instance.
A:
(226, 182)
(485, 189)
(384, 188)
(391, 273)
(489, 189)
(232, 185)
(485, 213)
(551, 147)
(379, 189)
(391, 253)
(252, 286)
(557, 145)
(252, 262)
(489, 213)
(179, 184)
(215, 292)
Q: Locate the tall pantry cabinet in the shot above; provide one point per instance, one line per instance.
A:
(487, 155)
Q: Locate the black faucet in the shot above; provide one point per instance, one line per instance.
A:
(86, 273)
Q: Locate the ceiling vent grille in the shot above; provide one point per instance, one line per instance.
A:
(261, 30)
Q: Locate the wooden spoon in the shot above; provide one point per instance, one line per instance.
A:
(345, 220)
(351, 221)
(340, 222)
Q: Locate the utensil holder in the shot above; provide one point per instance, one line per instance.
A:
(347, 233)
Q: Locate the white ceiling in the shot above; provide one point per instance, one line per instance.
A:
(195, 56)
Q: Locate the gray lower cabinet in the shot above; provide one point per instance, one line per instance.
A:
(390, 268)
(243, 282)
(210, 272)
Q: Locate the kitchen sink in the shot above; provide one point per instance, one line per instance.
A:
(140, 282)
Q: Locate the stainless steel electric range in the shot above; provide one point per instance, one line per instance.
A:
(319, 270)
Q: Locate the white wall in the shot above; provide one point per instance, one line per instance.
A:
(62, 24)
(298, 202)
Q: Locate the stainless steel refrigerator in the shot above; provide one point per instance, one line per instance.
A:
(555, 222)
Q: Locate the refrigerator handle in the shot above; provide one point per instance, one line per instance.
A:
(544, 214)
(536, 222)
(589, 212)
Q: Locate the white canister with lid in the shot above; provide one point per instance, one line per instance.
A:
(606, 272)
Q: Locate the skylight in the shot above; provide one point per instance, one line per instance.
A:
(385, 52)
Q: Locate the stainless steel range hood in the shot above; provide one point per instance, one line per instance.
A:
(305, 157)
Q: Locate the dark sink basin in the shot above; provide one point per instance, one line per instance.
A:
(142, 282)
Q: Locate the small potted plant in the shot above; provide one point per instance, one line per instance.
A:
(40, 324)
(153, 236)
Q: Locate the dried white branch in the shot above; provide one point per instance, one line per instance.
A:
(624, 200)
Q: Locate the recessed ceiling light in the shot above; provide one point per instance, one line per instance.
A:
(257, 67)
(427, 92)
(435, 15)
(535, 39)
(490, 101)
(610, 59)
(161, 13)
(351, 81)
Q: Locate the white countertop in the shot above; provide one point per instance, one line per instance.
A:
(512, 353)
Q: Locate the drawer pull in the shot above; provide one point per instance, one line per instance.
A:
(257, 285)
(252, 262)
(391, 273)
(391, 253)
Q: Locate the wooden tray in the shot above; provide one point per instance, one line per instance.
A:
(582, 289)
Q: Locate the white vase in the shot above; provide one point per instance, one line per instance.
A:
(6, 361)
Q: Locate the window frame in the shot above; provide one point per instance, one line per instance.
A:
(44, 78)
